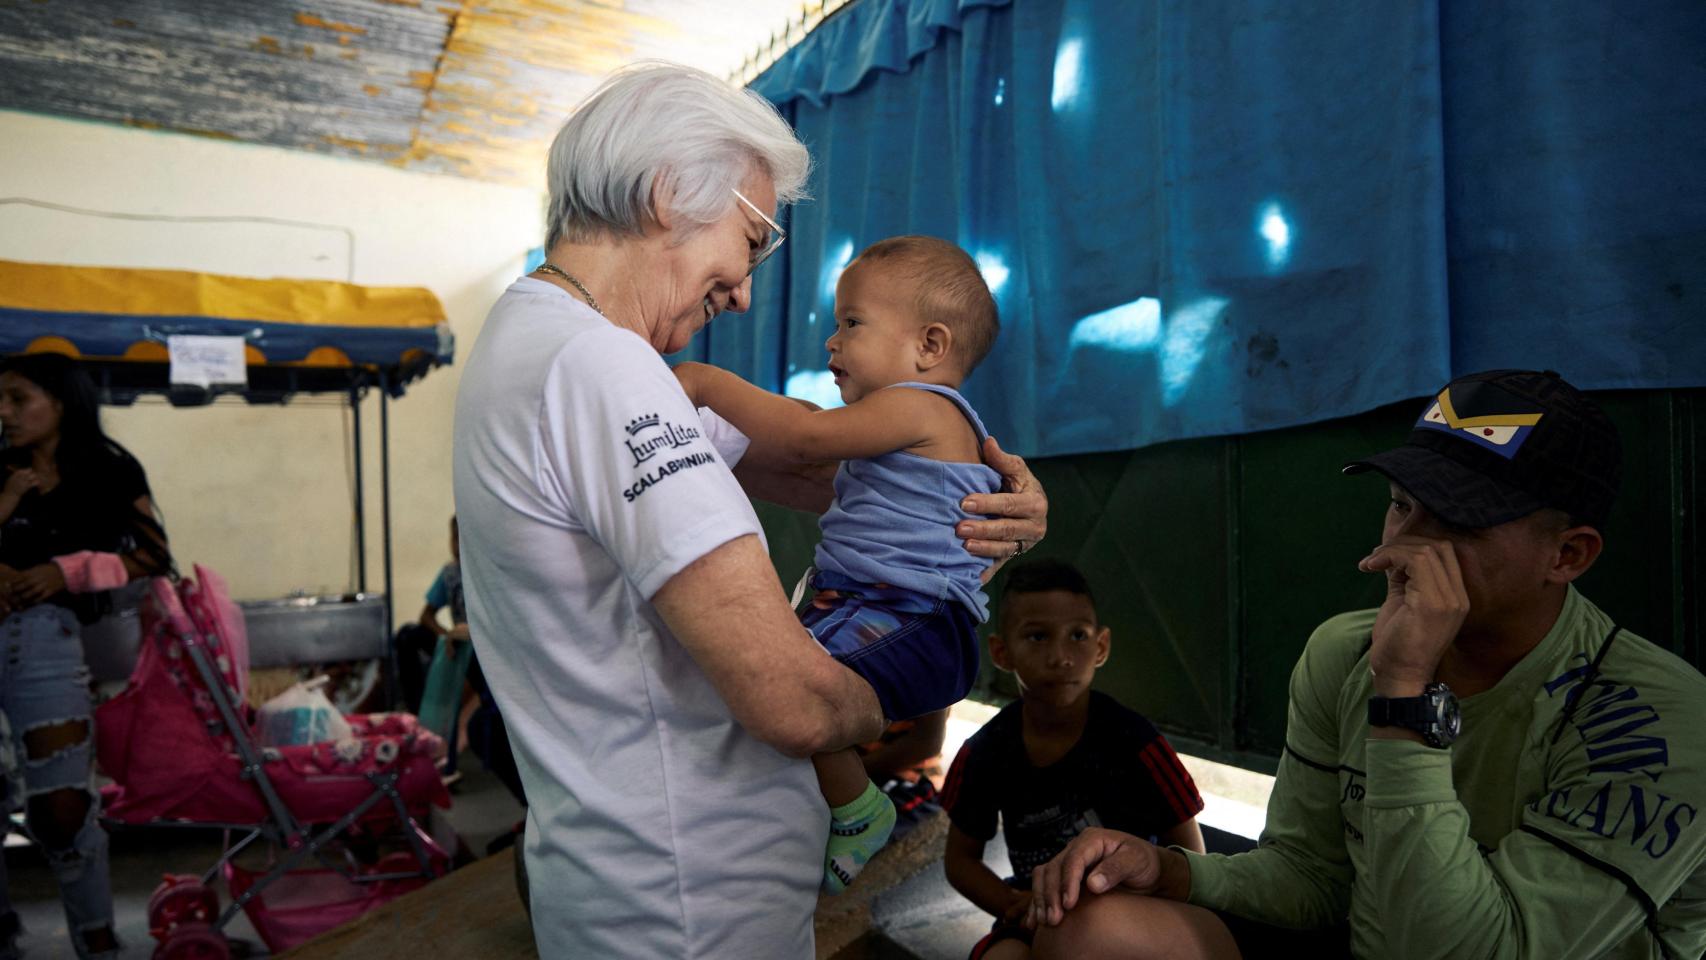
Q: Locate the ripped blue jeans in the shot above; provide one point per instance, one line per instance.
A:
(44, 687)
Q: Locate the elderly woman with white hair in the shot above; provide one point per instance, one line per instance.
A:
(659, 690)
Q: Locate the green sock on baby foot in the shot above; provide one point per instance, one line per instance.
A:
(857, 830)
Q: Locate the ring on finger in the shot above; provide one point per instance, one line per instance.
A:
(1022, 547)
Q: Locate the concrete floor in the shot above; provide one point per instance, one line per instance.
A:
(481, 809)
(925, 919)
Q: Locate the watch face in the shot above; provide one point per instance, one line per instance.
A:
(1449, 716)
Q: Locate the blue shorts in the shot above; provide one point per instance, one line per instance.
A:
(919, 653)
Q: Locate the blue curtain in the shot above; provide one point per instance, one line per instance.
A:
(1213, 217)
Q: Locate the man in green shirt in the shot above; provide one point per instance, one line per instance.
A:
(1485, 766)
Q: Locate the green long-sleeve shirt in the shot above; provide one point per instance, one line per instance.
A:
(1546, 831)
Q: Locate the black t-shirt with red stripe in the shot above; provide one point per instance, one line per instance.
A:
(1121, 774)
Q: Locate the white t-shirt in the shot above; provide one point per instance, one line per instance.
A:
(585, 479)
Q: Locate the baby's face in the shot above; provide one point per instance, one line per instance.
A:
(876, 341)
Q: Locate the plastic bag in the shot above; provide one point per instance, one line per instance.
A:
(300, 715)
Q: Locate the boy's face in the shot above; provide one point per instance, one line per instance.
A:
(1052, 642)
(876, 339)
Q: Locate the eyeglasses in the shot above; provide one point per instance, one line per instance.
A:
(777, 234)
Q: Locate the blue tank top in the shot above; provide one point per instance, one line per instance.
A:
(893, 520)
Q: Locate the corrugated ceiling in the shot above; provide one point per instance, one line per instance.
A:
(475, 89)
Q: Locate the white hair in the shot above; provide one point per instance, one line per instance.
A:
(655, 124)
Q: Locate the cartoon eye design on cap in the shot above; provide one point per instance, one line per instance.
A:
(1493, 430)
(1498, 435)
(1495, 435)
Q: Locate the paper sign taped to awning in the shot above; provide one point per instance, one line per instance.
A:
(201, 361)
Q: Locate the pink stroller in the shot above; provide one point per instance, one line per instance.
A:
(179, 742)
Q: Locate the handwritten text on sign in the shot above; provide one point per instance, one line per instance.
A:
(204, 361)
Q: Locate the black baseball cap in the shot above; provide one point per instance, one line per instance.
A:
(1492, 447)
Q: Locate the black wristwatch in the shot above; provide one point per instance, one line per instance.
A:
(1435, 714)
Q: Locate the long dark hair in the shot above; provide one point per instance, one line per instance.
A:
(87, 457)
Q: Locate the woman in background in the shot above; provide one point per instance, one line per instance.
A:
(76, 520)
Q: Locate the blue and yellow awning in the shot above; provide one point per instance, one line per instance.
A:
(111, 313)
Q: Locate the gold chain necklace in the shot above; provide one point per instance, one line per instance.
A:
(554, 270)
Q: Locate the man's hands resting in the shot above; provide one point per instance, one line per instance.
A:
(1098, 860)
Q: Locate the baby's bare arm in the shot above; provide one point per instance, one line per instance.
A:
(883, 422)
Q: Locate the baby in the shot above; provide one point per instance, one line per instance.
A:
(899, 599)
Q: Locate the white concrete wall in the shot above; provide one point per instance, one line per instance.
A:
(263, 494)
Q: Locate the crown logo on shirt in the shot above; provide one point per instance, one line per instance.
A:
(640, 423)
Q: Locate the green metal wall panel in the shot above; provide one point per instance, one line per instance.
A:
(792, 537)
(1152, 538)
(1644, 579)
(1303, 527)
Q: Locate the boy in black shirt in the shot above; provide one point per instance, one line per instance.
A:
(1059, 760)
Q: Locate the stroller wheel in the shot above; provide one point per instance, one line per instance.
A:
(180, 900)
(194, 941)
